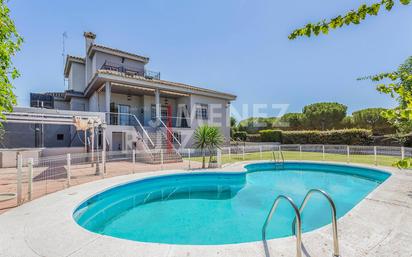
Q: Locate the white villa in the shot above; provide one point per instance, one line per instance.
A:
(116, 86)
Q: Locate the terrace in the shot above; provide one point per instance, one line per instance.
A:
(130, 71)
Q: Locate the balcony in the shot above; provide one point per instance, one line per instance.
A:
(129, 70)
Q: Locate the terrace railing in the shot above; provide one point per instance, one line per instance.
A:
(132, 71)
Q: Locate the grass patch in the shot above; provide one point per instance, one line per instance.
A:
(383, 160)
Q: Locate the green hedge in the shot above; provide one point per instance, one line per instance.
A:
(271, 135)
(343, 137)
(240, 135)
(254, 138)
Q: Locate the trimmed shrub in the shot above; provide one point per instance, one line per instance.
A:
(270, 135)
(240, 135)
(333, 137)
(302, 137)
(253, 138)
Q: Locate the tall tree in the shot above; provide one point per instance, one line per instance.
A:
(399, 86)
(351, 17)
(372, 118)
(293, 121)
(325, 115)
(253, 125)
(10, 42)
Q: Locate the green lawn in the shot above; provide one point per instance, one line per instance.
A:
(291, 155)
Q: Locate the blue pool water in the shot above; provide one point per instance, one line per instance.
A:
(224, 208)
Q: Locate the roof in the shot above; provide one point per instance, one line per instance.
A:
(69, 60)
(55, 94)
(121, 53)
(170, 83)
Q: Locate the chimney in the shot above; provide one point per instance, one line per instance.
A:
(89, 37)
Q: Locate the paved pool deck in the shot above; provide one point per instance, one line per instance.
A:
(379, 226)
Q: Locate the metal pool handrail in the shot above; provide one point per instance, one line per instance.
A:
(297, 218)
(333, 212)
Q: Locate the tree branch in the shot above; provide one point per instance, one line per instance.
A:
(352, 17)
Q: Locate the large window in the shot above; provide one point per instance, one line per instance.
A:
(202, 111)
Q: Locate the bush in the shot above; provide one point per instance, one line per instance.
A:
(240, 135)
(270, 135)
(343, 137)
(253, 138)
(253, 125)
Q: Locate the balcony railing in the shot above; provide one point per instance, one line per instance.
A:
(130, 70)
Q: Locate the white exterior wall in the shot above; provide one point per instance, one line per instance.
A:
(94, 102)
(79, 104)
(76, 79)
(218, 114)
(99, 59)
(61, 105)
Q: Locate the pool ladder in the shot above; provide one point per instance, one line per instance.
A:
(297, 221)
(280, 160)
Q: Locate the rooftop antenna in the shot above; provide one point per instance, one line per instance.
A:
(64, 36)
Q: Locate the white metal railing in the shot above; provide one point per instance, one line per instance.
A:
(139, 126)
(333, 214)
(170, 132)
(297, 223)
(50, 174)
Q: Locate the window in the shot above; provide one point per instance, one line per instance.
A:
(163, 112)
(60, 137)
(202, 111)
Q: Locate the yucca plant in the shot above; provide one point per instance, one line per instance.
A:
(207, 137)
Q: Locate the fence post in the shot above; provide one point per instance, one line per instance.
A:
(230, 152)
(30, 190)
(134, 161)
(104, 148)
(300, 152)
(347, 153)
(323, 152)
(19, 177)
(402, 152)
(243, 152)
(188, 154)
(69, 173)
(375, 155)
(260, 152)
(219, 158)
(161, 159)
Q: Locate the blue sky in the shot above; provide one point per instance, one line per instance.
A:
(235, 46)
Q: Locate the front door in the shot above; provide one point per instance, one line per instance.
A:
(124, 111)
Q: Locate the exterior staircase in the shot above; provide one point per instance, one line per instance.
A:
(155, 142)
(161, 147)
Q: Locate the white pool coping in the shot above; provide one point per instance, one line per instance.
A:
(380, 225)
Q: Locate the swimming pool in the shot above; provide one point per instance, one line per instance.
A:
(215, 208)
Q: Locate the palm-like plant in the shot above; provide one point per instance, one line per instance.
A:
(207, 137)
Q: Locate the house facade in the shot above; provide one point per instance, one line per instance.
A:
(140, 109)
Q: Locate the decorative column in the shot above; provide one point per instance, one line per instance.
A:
(157, 102)
(108, 92)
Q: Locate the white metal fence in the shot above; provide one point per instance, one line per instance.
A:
(33, 178)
